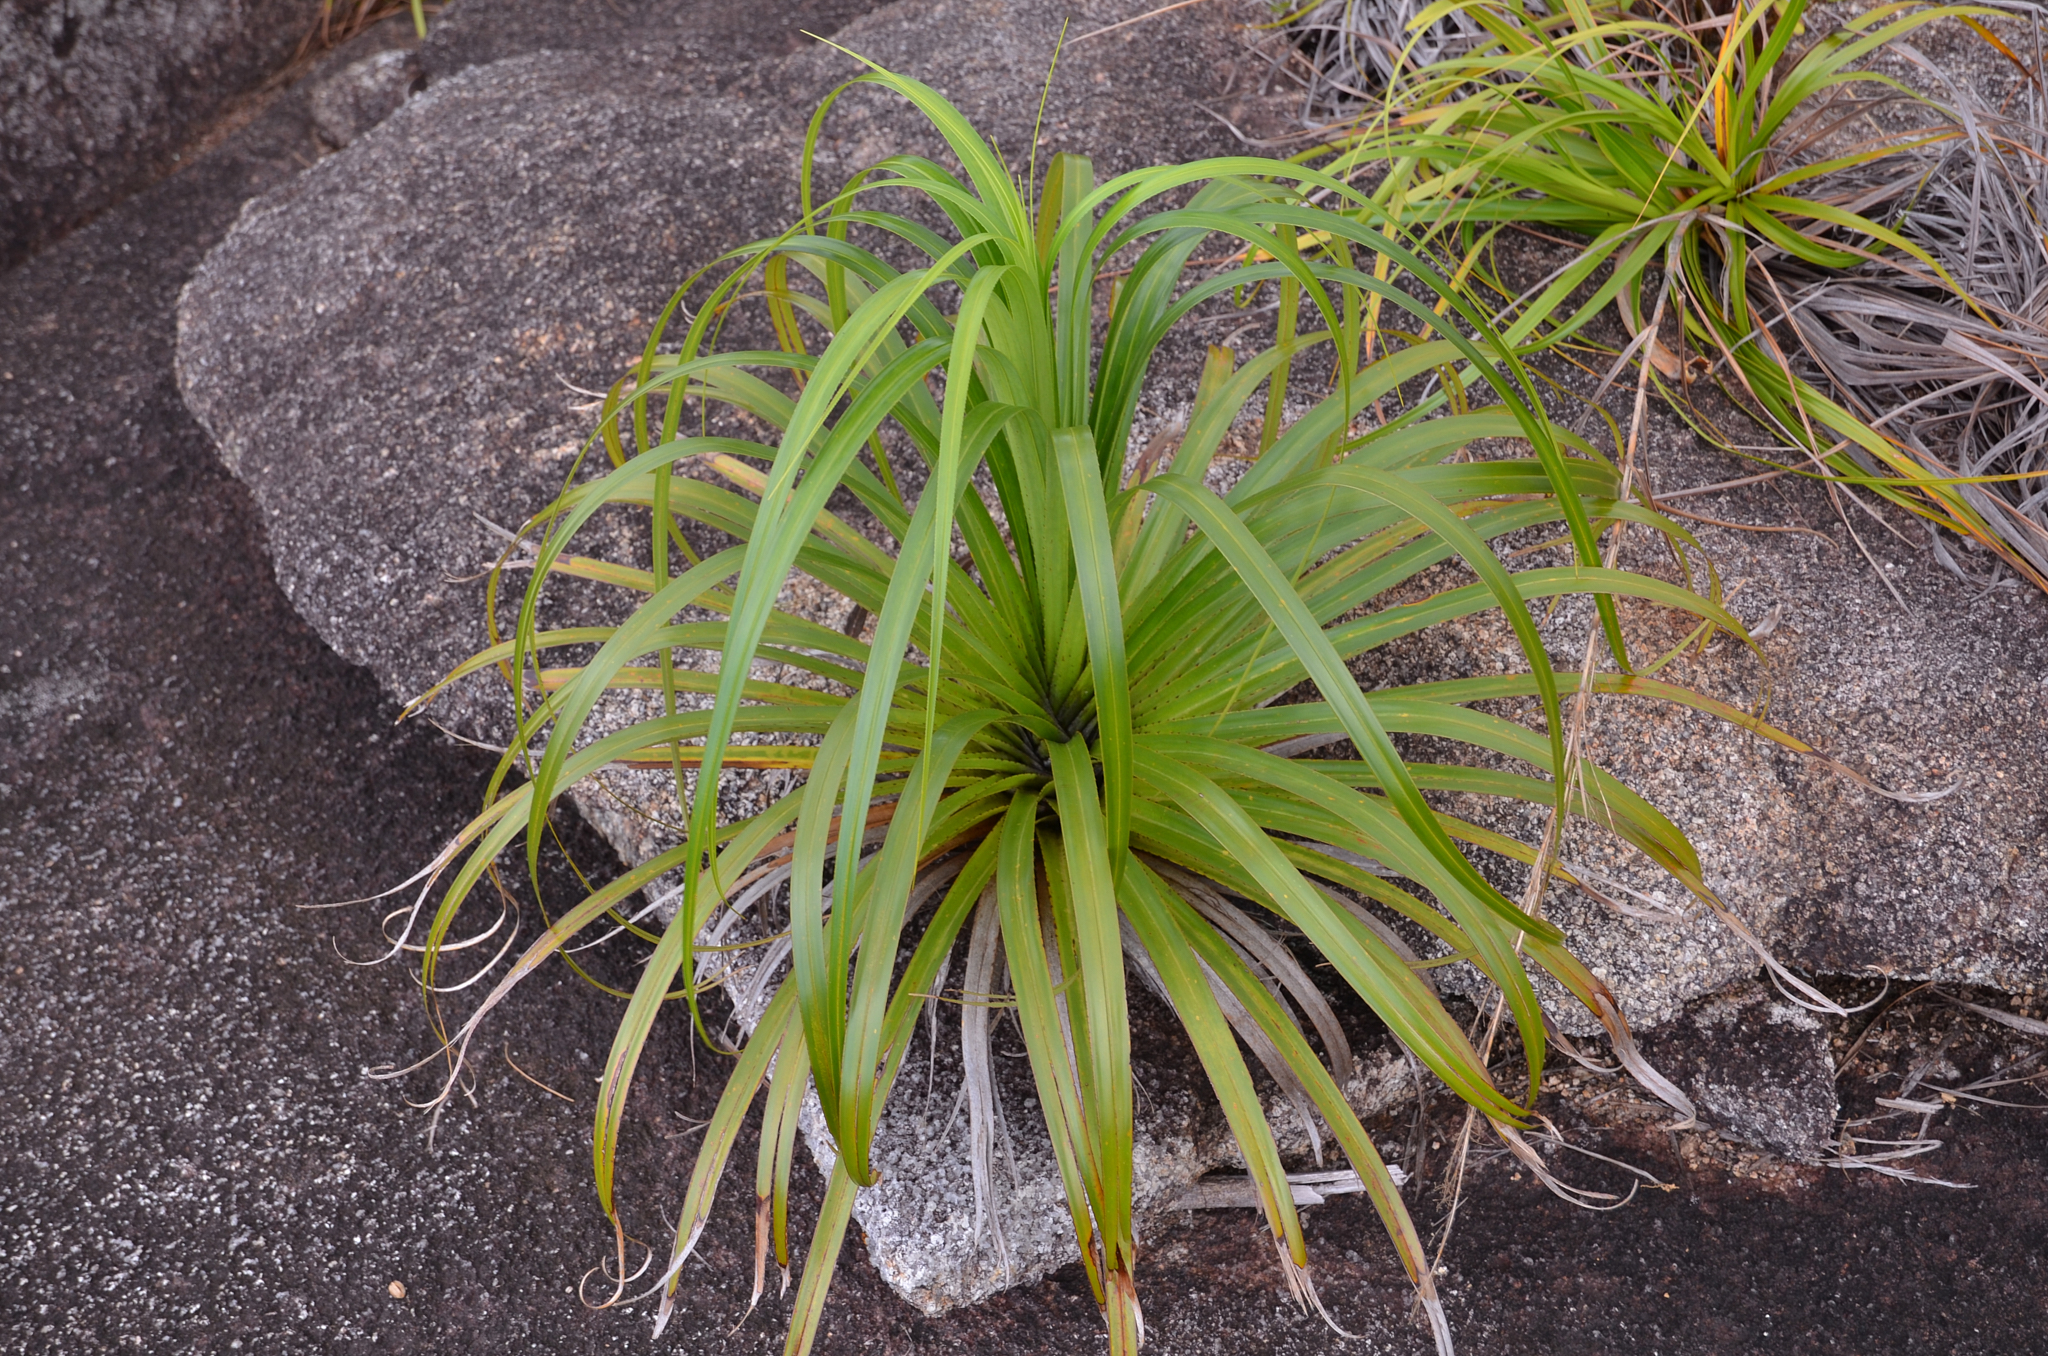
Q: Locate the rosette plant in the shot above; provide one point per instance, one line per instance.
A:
(1062, 738)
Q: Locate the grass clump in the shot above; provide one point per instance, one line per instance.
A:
(1702, 155)
(340, 22)
(1958, 378)
(1061, 739)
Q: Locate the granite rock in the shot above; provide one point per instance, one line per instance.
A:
(700, 46)
(362, 94)
(396, 343)
(97, 96)
(921, 1223)
(1941, 689)
(388, 350)
(1757, 1067)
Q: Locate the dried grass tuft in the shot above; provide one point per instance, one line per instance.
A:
(1964, 386)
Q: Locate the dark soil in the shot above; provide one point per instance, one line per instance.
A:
(192, 1158)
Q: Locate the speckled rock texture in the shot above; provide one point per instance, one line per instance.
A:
(924, 1233)
(698, 46)
(390, 350)
(1757, 1067)
(396, 345)
(1945, 691)
(1874, 654)
(352, 100)
(97, 96)
(428, 301)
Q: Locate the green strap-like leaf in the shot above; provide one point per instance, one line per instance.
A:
(1095, 579)
(1059, 1099)
(875, 917)
(1329, 1099)
(1402, 1001)
(819, 972)
(808, 1313)
(1105, 1040)
(1187, 987)
(627, 642)
(778, 1029)
(1316, 654)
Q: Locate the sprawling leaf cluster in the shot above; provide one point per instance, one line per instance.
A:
(1692, 155)
(1063, 741)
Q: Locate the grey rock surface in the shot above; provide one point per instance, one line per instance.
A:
(362, 94)
(97, 96)
(1943, 692)
(431, 300)
(700, 48)
(188, 776)
(923, 1230)
(1757, 1067)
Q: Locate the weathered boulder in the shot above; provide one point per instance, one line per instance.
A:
(923, 1231)
(429, 301)
(352, 100)
(702, 46)
(97, 96)
(1943, 692)
(397, 342)
(1757, 1067)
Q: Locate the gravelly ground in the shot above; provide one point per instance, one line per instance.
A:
(191, 1158)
